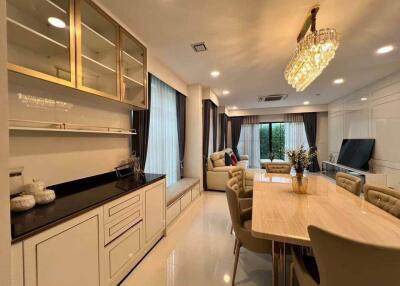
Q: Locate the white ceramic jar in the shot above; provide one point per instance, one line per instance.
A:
(45, 197)
(22, 203)
(34, 187)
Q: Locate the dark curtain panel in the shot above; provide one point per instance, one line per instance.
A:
(181, 116)
(223, 138)
(310, 125)
(141, 122)
(215, 126)
(207, 105)
(236, 125)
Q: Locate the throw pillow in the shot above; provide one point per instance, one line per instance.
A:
(236, 152)
(234, 159)
(228, 160)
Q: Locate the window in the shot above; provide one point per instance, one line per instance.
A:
(163, 147)
(278, 137)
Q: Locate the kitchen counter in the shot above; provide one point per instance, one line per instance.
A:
(75, 198)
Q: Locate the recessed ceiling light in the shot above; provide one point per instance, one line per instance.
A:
(306, 102)
(364, 99)
(226, 92)
(338, 81)
(215, 73)
(385, 49)
(234, 107)
(58, 23)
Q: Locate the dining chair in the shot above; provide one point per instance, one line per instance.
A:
(345, 262)
(278, 168)
(241, 221)
(349, 182)
(384, 198)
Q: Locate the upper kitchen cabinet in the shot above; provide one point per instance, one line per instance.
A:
(133, 71)
(96, 51)
(40, 39)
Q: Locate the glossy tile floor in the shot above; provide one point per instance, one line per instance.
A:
(198, 252)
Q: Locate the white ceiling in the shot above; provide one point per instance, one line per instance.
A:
(251, 41)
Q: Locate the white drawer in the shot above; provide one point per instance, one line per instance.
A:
(121, 206)
(173, 211)
(116, 227)
(195, 191)
(186, 199)
(123, 253)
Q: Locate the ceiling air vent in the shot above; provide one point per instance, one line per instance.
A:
(199, 47)
(272, 97)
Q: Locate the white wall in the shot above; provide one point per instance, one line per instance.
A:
(278, 110)
(5, 236)
(194, 134)
(378, 118)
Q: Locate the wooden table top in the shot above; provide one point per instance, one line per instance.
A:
(280, 214)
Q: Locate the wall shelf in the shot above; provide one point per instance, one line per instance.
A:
(98, 42)
(130, 82)
(44, 126)
(130, 61)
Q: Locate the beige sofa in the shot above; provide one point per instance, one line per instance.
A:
(217, 172)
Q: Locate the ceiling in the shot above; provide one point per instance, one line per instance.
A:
(250, 42)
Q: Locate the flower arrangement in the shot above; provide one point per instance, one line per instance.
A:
(300, 159)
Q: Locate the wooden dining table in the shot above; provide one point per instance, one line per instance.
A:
(282, 216)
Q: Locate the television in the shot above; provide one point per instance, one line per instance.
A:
(356, 153)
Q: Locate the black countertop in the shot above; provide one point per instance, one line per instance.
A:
(73, 199)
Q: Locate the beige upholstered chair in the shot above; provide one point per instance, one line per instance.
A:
(278, 167)
(240, 174)
(345, 262)
(241, 221)
(384, 198)
(349, 182)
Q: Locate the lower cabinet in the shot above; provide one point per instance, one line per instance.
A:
(68, 254)
(97, 248)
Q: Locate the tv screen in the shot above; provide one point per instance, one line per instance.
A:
(355, 153)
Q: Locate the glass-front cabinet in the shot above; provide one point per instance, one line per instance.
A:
(75, 43)
(40, 39)
(133, 71)
(97, 51)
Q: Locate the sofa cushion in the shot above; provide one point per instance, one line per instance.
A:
(234, 159)
(219, 163)
(228, 160)
(236, 152)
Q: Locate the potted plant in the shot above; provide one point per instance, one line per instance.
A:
(300, 159)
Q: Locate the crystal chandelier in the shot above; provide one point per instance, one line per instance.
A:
(313, 53)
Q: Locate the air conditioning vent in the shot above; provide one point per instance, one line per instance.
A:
(199, 47)
(272, 97)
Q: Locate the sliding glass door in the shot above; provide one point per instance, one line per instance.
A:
(272, 140)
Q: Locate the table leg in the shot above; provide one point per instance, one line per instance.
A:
(278, 263)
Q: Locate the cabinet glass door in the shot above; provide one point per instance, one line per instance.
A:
(133, 71)
(97, 46)
(40, 39)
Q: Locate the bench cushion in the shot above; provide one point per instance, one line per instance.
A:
(175, 191)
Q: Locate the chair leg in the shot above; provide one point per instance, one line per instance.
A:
(234, 248)
(292, 277)
(237, 252)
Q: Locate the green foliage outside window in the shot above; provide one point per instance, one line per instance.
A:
(272, 141)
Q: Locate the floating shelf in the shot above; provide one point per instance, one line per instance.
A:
(98, 42)
(31, 125)
(21, 35)
(130, 82)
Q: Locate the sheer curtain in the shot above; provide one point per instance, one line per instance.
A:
(295, 134)
(249, 143)
(163, 146)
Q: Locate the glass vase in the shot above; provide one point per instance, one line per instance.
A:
(299, 183)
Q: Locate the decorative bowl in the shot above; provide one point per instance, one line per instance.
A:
(22, 203)
(44, 197)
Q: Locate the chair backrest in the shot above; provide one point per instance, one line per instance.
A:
(232, 194)
(278, 168)
(349, 263)
(349, 182)
(239, 173)
(384, 198)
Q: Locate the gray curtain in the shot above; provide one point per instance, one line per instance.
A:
(181, 120)
(236, 125)
(310, 125)
(207, 105)
(223, 137)
(215, 124)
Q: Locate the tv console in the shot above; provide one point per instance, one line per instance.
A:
(329, 169)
